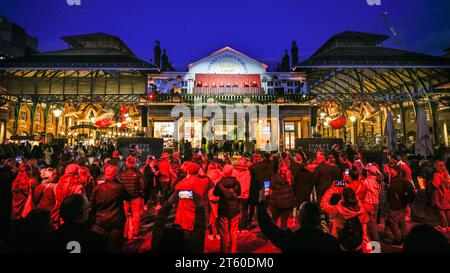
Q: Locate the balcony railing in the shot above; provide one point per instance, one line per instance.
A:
(231, 98)
(228, 90)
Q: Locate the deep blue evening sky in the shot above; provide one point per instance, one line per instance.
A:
(191, 29)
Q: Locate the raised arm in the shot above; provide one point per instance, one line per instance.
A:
(325, 203)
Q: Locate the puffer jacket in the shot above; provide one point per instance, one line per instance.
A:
(133, 181)
(242, 175)
(372, 197)
(282, 196)
(341, 214)
(228, 190)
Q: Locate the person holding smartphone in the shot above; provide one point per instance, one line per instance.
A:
(348, 207)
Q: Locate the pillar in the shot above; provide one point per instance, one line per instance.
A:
(403, 119)
(433, 111)
(444, 133)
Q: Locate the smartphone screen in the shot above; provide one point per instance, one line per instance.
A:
(339, 183)
(185, 194)
(266, 184)
(347, 171)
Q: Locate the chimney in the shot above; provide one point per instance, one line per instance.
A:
(285, 62)
(164, 61)
(157, 54)
(294, 54)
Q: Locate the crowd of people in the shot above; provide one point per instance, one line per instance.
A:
(334, 201)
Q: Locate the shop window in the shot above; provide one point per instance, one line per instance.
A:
(263, 132)
(164, 130)
(23, 115)
(37, 117)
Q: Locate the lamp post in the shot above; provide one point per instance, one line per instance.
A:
(57, 113)
(353, 120)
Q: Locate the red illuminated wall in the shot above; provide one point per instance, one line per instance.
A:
(225, 79)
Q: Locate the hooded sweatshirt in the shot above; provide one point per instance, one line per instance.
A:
(242, 175)
(228, 190)
(341, 214)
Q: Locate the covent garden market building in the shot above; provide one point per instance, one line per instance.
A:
(97, 89)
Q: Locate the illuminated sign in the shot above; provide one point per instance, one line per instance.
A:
(227, 64)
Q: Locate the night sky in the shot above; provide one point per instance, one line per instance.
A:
(263, 29)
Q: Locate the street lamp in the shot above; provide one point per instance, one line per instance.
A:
(57, 113)
(355, 128)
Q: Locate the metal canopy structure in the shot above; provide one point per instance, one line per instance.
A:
(353, 66)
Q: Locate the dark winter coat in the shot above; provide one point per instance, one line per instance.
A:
(133, 181)
(259, 172)
(228, 190)
(107, 205)
(303, 186)
(282, 193)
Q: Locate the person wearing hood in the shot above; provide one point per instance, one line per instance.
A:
(228, 189)
(44, 193)
(242, 174)
(67, 185)
(22, 188)
(347, 208)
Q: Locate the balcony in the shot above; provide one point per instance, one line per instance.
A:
(231, 98)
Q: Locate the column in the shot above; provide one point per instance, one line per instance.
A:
(2, 131)
(444, 133)
(403, 119)
(433, 110)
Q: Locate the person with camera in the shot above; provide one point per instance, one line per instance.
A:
(193, 183)
(346, 208)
